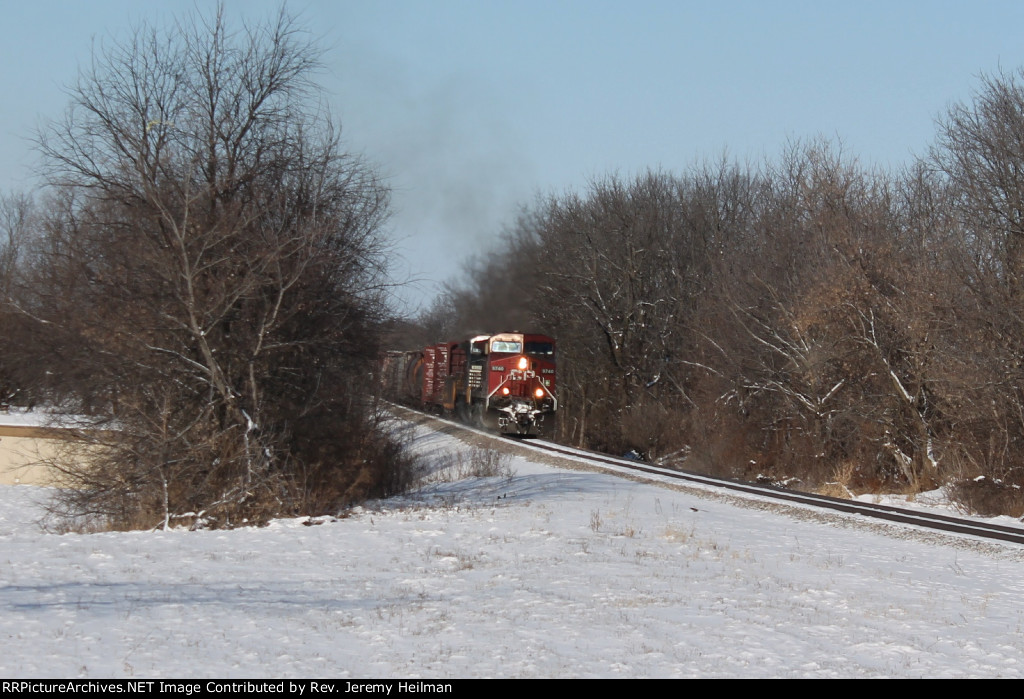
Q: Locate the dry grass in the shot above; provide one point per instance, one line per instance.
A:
(479, 462)
(988, 497)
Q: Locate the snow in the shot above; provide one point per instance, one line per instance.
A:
(20, 417)
(549, 573)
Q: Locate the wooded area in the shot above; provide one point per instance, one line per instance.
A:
(204, 283)
(807, 320)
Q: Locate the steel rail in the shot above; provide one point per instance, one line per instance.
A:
(921, 518)
(889, 513)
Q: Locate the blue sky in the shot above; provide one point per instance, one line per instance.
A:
(471, 109)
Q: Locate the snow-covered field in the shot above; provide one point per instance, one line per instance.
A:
(550, 573)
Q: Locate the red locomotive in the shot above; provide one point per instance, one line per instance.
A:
(504, 381)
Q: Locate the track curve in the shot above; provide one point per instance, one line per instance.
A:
(928, 520)
(920, 518)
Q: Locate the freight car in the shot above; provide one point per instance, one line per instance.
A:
(504, 381)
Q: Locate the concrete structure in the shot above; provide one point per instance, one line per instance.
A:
(22, 449)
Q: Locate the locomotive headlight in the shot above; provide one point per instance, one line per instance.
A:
(539, 393)
(523, 363)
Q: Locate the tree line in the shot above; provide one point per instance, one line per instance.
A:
(807, 320)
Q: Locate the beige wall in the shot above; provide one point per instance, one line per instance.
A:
(21, 448)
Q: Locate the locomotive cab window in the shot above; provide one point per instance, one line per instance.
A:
(506, 347)
(544, 348)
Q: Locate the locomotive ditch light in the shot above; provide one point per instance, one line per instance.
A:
(539, 393)
(505, 391)
(523, 363)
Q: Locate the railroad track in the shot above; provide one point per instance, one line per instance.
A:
(919, 518)
(927, 520)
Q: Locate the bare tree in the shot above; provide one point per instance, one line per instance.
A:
(980, 154)
(212, 273)
(16, 227)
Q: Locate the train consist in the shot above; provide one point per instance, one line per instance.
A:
(504, 381)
